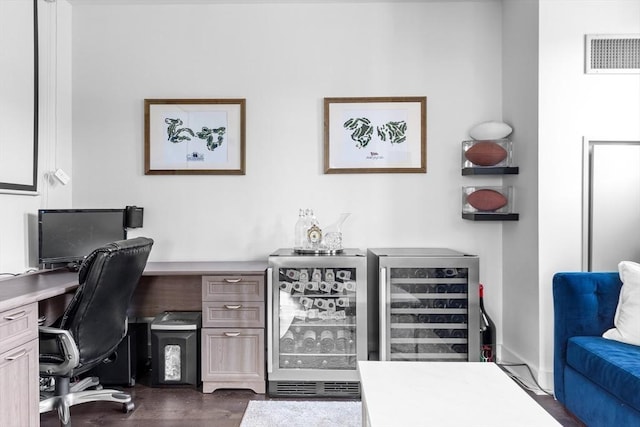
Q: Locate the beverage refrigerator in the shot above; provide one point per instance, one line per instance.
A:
(316, 322)
(423, 305)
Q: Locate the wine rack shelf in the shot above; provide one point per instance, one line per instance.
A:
(319, 302)
(427, 304)
(419, 310)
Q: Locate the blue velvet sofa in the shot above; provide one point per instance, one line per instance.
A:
(595, 378)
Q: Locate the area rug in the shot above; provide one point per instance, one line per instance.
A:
(302, 413)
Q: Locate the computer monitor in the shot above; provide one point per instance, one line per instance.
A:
(67, 236)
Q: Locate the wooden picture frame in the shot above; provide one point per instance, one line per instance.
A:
(19, 110)
(375, 135)
(194, 136)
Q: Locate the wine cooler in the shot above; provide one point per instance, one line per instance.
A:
(316, 323)
(423, 305)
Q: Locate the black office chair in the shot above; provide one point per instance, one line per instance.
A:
(92, 326)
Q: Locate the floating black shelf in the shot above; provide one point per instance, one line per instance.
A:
(491, 170)
(490, 216)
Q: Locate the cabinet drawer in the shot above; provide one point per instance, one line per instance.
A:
(233, 314)
(242, 287)
(232, 354)
(19, 385)
(17, 326)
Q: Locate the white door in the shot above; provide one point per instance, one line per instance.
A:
(613, 204)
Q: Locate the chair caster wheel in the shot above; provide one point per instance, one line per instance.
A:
(128, 407)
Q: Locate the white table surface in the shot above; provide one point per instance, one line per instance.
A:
(442, 394)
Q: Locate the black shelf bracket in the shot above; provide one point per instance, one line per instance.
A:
(491, 170)
(490, 216)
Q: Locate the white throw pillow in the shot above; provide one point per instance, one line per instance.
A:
(627, 318)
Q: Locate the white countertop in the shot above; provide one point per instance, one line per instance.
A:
(445, 394)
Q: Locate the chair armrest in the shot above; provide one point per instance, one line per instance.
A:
(584, 304)
(61, 340)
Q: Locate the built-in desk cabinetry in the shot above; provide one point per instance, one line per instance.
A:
(231, 296)
(19, 366)
(233, 318)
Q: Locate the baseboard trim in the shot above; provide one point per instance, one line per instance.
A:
(544, 377)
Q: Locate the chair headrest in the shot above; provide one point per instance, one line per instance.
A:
(111, 248)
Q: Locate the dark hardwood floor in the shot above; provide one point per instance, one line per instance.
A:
(169, 407)
(555, 408)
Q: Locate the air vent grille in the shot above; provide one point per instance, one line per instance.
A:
(314, 388)
(346, 388)
(612, 54)
(296, 388)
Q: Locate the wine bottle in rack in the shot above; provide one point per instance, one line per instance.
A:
(309, 340)
(327, 342)
(487, 333)
(287, 343)
(423, 318)
(439, 303)
(458, 333)
(341, 340)
(442, 333)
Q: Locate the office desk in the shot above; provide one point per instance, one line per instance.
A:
(174, 285)
(179, 286)
(35, 287)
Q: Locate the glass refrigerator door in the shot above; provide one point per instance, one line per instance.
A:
(317, 318)
(428, 314)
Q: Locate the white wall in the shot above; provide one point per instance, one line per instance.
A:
(520, 304)
(18, 213)
(284, 58)
(15, 231)
(573, 105)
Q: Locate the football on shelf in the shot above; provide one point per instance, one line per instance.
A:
(487, 200)
(490, 130)
(486, 153)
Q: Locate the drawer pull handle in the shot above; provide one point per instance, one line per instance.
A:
(15, 356)
(233, 307)
(232, 334)
(15, 316)
(233, 280)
